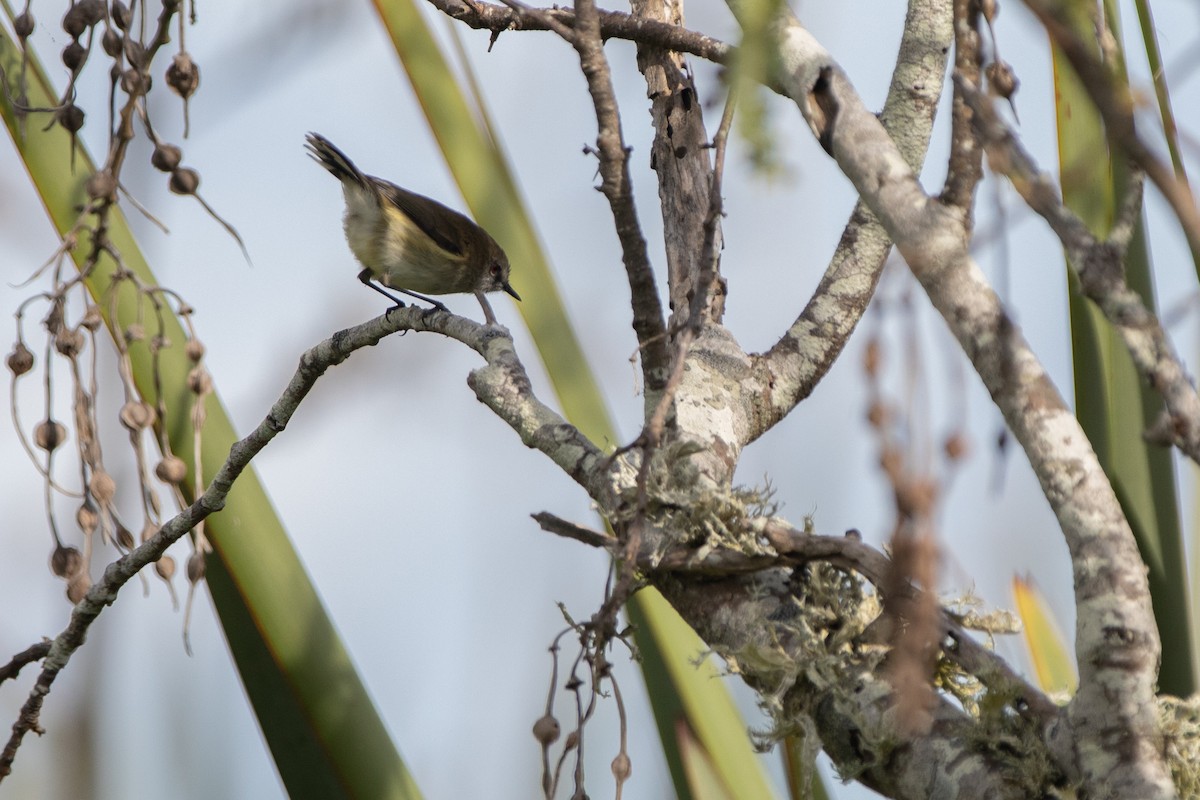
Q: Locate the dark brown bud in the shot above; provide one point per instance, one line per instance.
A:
(171, 470)
(135, 53)
(48, 435)
(73, 56)
(125, 538)
(23, 25)
(102, 186)
(120, 15)
(20, 360)
(66, 561)
(111, 42)
(91, 11)
(195, 567)
(70, 117)
(546, 730)
(183, 75)
(166, 157)
(73, 22)
(184, 180)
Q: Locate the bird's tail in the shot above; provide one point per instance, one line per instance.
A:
(333, 159)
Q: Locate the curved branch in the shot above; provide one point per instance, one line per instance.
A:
(792, 368)
(1117, 643)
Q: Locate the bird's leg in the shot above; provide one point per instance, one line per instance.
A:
(436, 304)
(488, 316)
(365, 277)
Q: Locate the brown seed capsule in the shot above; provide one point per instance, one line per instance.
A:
(135, 52)
(1002, 79)
(66, 561)
(73, 22)
(165, 567)
(125, 537)
(48, 435)
(194, 349)
(195, 568)
(87, 518)
(20, 360)
(199, 381)
(134, 333)
(872, 357)
(92, 320)
(69, 342)
(23, 25)
(134, 81)
(102, 487)
(92, 11)
(621, 767)
(166, 157)
(70, 117)
(120, 15)
(877, 415)
(171, 470)
(546, 730)
(184, 180)
(73, 56)
(78, 586)
(111, 42)
(137, 416)
(183, 75)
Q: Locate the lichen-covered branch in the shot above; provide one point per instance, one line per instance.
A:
(1117, 642)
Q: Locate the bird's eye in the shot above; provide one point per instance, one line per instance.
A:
(495, 270)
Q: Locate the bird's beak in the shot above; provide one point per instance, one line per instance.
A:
(511, 290)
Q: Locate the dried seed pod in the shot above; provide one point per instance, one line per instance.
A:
(111, 42)
(87, 518)
(70, 117)
(165, 567)
(546, 730)
(195, 568)
(148, 530)
(137, 416)
(92, 11)
(66, 561)
(184, 180)
(48, 435)
(102, 487)
(194, 349)
(622, 768)
(199, 381)
(69, 342)
(1002, 79)
(120, 15)
(135, 53)
(873, 357)
(78, 586)
(183, 76)
(92, 319)
(73, 22)
(73, 56)
(125, 538)
(171, 470)
(134, 333)
(23, 25)
(166, 157)
(134, 81)
(20, 360)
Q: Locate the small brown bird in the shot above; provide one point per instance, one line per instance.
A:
(410, 243)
